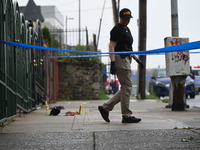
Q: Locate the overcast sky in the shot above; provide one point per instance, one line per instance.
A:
(158, 22)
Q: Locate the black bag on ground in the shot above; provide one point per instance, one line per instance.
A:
(55, 111)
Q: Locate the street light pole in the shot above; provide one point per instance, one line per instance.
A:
(79, 23)
(66, 28)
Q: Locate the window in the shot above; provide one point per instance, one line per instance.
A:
(161, 73)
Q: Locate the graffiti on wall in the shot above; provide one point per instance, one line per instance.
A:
(177, 63)
(179, 56)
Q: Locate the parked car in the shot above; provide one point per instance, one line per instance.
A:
(159, 84)
(196, 71)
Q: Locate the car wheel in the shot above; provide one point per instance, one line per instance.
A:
(192, 95)
(186, 96)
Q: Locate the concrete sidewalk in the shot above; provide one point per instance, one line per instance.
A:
(160, 128)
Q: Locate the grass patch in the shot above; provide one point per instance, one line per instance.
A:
(151, 96)
(102, 95)
(165, 100)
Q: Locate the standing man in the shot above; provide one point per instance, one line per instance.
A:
(192, 75)
(121, 40)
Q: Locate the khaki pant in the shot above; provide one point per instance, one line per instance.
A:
(123, 72)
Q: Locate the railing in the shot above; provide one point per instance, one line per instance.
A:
(21, 69)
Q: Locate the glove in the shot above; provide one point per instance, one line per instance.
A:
(140, 63)
(112, 68)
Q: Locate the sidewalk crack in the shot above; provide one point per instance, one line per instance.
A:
(94, 140)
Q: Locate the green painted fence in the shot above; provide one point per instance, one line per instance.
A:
(21, 69)
(2, 67)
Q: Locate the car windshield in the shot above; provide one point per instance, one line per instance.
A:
(161, 74)
(196, 72)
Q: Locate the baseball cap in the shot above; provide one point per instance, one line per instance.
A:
(125, 13)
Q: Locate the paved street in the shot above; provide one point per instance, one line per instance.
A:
(160, 128)
(194, 102)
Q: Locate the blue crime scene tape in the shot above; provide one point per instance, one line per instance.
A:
(76, 56)
(181, 47)
(133, 76)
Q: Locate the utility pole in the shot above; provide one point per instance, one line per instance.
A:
(174, 18)
(142, 47)
(87, 41)
(95, 42)
(115, 12)
(178, 82)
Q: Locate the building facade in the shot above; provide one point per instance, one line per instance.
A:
(49, 16)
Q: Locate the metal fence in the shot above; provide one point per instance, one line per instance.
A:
(21, 69)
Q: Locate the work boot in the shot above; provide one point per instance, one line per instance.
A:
(104, 114)
(130, 120)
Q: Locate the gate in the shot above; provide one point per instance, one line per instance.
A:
(21, 69)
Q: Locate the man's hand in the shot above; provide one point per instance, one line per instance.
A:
(112, 68)
(140, 63)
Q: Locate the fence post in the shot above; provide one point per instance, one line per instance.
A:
(19, 59)
(10, 71)
(2, 65)
(40, 65)
(29, 67)
(24, 64)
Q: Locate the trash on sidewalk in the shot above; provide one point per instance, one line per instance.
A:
(80, 112)
(56, 110)
(185, 140)
(69, 113)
